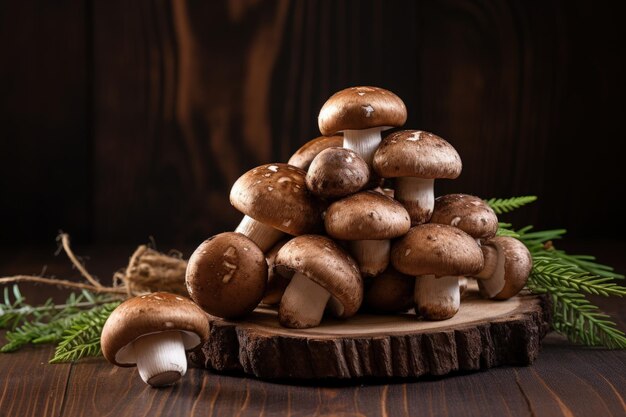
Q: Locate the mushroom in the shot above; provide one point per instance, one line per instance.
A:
(507, 266)
(274, 199)
(389, 292)
(153, 331)
(437, 254)
(415, 158)
(469, 213)
(367, 220)
(323, 273)
(361, 113)
(226, 275)
(336, 173)
(276, 283)
(302, 157)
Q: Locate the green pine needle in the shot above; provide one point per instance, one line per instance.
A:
(505, 205)
(81, 338)
(565, 278)
(45, 323)
(558, 273)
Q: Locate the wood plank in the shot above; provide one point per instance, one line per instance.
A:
(154, 108)
(45, 125)
(564, 380)
(181, 111)
(28, 385)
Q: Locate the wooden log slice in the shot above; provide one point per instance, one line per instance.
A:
(482, 335)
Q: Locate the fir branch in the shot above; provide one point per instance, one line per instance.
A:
(584, 263)
(505, 229)
(505, 205)
(44, 323)
(82, 336)
(565, 278)
(575, 316)
(557, 273)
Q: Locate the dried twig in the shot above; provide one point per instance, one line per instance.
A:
(62, 283)
(64, 238)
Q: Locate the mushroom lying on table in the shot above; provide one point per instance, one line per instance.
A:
(226, 275)
(437, 254)
(323, 273)
(361, 113)
(368, 220)
(275, 200)
(153, 331)
(415, 159)
(507, 266)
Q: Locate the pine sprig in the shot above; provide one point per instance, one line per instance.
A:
(576, 317)
(81, 338)
(505, 205)
(565, 278)
(557, 273)
(41, 324)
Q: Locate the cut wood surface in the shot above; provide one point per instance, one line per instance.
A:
(482, 335)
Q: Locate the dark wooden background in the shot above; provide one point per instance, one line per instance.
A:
(125, 119)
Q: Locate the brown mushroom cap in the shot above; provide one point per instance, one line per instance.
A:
(276, 195)
(367, 215)
(337, 172)
(467, 212)
(147, 314)
(226, 275)
(357, 108)
(322, 261)
(436, 249)
(302, 157)
(415, 153)
(390, 291)
(517, 265)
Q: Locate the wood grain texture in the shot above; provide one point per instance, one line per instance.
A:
(132, 119)
(482, 335)
(27, 390)
(45, 112)
(565, 379)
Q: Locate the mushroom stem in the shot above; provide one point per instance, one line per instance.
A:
(161, 358)
(417, 196)
(371, 255)
(491, 278)
(437, 298)
(303, 303)
(364, 142)
(263, 235)
(463, 283)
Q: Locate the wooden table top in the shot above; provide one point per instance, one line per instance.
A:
(565, 380)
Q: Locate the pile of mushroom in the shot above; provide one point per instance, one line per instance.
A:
(334, 241)
(320, 234)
